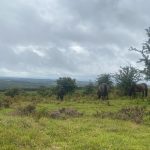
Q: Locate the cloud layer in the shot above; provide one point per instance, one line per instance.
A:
(82, 38)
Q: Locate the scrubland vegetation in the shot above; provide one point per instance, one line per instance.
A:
(33, 121)
(66, 116)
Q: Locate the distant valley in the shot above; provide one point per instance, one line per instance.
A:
(29, 83)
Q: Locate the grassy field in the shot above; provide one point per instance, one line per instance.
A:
(85, 132)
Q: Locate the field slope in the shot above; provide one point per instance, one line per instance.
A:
(86, 132)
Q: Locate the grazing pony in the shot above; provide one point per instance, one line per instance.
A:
(60, 93)
(102, 91)
(140, 88)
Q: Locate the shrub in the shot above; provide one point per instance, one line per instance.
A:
(44, 91)
(5, 103)
(131, 113)
(70, 112)
(126, 77)
(12, 92)
(26, 110)
(62, 113)
(134, 114)
(56, 115)
(65, 86)
(89, 89)
(105, 78)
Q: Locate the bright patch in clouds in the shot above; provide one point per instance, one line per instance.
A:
(83, 38)
(35, 49)
(78, 49)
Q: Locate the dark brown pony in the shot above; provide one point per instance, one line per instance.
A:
(102, 91)
(138, 88)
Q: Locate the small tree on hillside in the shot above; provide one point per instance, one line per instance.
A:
(145, 53)
(105, 78)
(126, 77)
(64, 86)
(12, 92)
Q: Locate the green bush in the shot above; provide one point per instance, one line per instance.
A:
(12, 92)
(126, 77)
(65, 86)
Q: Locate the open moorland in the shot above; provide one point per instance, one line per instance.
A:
(30, 121)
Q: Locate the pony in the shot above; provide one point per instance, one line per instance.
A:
(102, 91)
(138, 88)
(60, 93)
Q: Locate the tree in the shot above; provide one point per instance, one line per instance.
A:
(126, 77)
(44, 91)
(145, 53)
(105, 78)
(64, 86)
(89, 89)
(12, 92)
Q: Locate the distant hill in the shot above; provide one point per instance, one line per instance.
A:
(28, 83)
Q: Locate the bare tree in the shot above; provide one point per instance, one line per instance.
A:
(145, 53)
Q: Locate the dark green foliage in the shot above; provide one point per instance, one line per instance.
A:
(67, 83)
(126, 77)
(44, 91)
(64, 86)
(89, 89)
(105, 78)
(12, 92)
(145, 53)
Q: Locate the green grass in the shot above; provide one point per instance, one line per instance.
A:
(83, 133)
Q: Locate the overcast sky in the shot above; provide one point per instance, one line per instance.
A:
(77, 38)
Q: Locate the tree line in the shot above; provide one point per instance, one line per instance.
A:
(122, 80)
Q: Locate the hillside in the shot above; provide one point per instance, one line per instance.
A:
(29, 83)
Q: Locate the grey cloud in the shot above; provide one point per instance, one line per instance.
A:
(63, 37)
